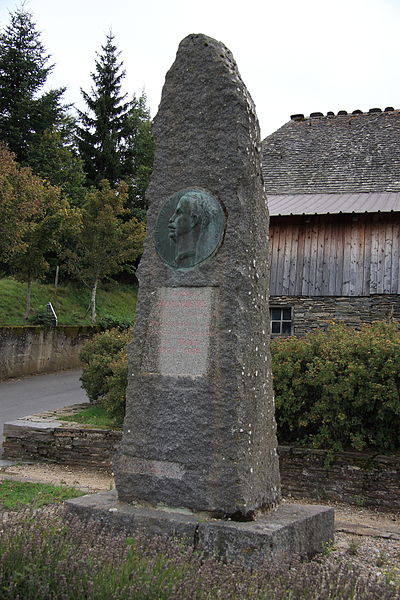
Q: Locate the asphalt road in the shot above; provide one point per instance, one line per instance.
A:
(31, 395)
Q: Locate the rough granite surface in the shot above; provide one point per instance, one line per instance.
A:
(205, 439)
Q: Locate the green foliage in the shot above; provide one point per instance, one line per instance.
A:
(24, 114)
(46, 557)
(53, 159)
(114, 136)
(339, 389)
(53, 220)
(106, 241)
(70, 302)
(140, 154)
(43, 317)
(16, 494)
(109, 321)
(113, 401)
(105, 370)
(40, 231)
(20, 200)
(101, 136)
(33, 220)
(94, 415)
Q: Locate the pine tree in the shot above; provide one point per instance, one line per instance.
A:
(24, 68)
(101, 136)
(140, 155)
(114, 138)
(52, 159)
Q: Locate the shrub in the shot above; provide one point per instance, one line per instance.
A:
(43, 317)
(105, 369)
(113, 401)
(107, 321)
(339, 389)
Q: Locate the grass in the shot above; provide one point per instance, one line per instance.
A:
(70, 302)
(94, 415)
(14, 495)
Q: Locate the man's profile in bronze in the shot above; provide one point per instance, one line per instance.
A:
(188, 227)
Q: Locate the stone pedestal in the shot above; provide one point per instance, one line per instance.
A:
(290, 529)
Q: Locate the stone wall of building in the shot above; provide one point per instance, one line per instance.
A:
(33, 349)
(311, 313)
(352, 477)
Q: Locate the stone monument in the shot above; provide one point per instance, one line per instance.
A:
(199, 440)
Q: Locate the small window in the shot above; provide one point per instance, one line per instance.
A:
(281, 320)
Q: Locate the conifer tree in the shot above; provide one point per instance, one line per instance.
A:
(114, 136)
(24, 68)
(54, 160)
(140, 155)
(101, 136)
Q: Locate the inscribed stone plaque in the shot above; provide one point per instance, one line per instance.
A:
(189, 228)
(184, 316)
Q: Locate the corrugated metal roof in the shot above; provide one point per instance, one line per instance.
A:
(310, 204)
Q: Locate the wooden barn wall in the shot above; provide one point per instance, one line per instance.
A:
(335, 255)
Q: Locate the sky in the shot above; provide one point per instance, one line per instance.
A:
(295, 56)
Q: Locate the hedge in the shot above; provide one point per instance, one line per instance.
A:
(336, 389)
(339, 389)
(105, 370)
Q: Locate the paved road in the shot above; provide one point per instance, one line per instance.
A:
(30, 395)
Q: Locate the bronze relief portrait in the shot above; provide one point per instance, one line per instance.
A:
(189, 228)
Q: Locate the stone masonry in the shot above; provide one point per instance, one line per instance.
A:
(317, 312)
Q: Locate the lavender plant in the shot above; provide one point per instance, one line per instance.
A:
(46, 557)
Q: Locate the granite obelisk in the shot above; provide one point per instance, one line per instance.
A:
(199, 434)
(199, 430)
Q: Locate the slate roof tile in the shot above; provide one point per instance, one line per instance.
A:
(334, 154)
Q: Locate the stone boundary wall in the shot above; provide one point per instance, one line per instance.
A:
(363, 479)
(61, 442)
(32, 349)
(352, 477)
(311, 313)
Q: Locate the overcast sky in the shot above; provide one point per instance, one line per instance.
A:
(295, 56)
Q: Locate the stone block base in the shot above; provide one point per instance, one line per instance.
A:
(290, 529)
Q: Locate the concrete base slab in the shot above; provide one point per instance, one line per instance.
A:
(291, 529)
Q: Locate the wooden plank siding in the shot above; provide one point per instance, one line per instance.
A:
(335, 255)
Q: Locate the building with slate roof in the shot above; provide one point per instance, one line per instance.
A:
(333, 186)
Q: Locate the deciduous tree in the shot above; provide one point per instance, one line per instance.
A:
(108, 239)
(20, 199)
(34, 218)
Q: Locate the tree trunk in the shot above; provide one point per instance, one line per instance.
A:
(28, 300)
(93, 301)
